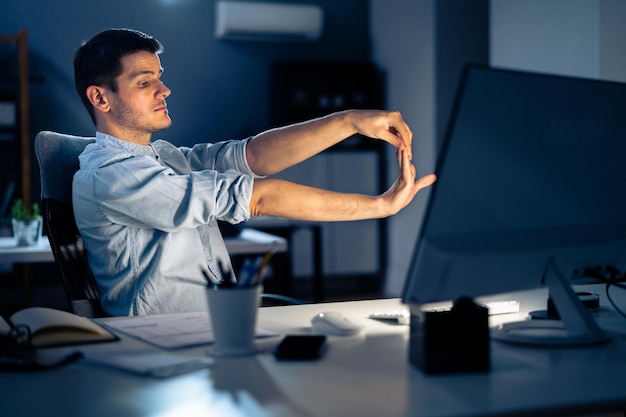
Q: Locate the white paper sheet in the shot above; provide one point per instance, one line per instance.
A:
(171, 331)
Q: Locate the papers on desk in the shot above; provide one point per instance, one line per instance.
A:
(172, 331)
(155, 364)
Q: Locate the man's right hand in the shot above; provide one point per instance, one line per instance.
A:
(406, 187)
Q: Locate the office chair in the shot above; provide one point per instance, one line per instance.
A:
(57, 155)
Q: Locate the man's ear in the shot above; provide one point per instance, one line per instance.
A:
(97, 97)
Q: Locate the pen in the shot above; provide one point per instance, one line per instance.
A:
(260, 273)
(210, 281)
(228, 278)
(247, 272)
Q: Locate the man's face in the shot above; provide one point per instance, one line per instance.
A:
(138, 107)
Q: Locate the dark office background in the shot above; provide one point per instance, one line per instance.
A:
(219, 88)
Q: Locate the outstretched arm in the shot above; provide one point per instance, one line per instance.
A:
(277, 197)
(276, 149)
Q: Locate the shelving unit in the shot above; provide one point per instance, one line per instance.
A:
(15, 147)
(15, 142)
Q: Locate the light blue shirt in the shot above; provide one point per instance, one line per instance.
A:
(148, 217)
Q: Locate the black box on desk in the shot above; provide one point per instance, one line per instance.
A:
(451, 341)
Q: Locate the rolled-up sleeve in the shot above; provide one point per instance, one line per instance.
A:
(220, 156)
(149, 195)
(184, 192)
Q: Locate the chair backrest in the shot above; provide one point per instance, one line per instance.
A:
(57, 155)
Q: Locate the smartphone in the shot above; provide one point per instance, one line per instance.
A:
(300, 347)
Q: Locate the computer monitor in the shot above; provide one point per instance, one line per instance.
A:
(531, 190)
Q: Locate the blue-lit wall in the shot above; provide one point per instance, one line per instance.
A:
(219, 88)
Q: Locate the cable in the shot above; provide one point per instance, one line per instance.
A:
(599, 274)
(284, 298)
(608, 296)
(613, 273)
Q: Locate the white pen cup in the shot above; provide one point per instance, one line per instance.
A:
(233, 313)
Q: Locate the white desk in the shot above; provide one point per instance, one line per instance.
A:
(10, 253)
(248, 242)
(359, 376)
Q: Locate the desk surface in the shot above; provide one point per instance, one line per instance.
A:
(248, 242)
(362, 375)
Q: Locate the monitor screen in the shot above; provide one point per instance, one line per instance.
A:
(532, 168)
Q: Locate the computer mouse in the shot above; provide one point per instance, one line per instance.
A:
(334, 323)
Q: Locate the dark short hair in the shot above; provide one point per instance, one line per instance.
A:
(98, 61)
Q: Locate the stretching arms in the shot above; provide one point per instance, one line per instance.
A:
(272, 151)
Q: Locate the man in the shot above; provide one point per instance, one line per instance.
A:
(148, 210)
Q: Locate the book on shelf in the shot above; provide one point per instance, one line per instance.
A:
(50, 327)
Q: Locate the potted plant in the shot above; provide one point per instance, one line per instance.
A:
(26, 222)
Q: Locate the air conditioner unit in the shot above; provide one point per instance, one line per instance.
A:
(258, 21)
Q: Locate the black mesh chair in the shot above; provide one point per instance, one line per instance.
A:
(57, 155)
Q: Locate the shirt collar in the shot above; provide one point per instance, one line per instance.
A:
(134, 148)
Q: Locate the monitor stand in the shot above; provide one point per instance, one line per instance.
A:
(576, 328)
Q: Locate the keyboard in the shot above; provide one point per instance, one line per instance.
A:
(402, 316)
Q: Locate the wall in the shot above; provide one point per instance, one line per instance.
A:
(423, 47)
(583, 38)
(612, 38)
(403, 45)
